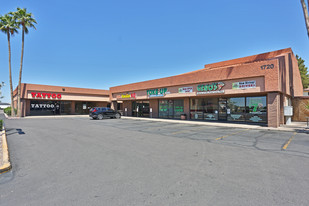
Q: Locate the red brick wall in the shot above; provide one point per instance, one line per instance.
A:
(128, 105)
(154, 104)
(273, 109)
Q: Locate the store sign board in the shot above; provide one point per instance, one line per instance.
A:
(42, 106)
(156, 92)
(39, 95)
(185, 89)
(127, 96)
(215, 87)
(244, 85)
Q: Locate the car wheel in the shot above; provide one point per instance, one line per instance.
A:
(100, 116)
(118, 116)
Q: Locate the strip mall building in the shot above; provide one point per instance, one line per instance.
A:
(252, 89)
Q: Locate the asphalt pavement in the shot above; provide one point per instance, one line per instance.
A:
(78, 161)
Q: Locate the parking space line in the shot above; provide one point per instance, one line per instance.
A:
(289, 141)
(222, 137)
(181, 131)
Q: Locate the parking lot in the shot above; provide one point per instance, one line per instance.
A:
(78, 161)
(265, 140)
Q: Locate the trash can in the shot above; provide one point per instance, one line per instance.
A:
(183, 116)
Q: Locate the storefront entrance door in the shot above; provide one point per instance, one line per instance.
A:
(222, 109)
(140, 109)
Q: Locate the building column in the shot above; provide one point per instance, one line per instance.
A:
(154, 105)
(27, 107)
(73, 107)
(127, 105)
(273, 109)
(186, 107)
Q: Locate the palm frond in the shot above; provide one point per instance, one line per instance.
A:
(24, 19)
(8, 24)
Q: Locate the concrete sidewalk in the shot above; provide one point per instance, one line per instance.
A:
(5, 164)
(294, 126)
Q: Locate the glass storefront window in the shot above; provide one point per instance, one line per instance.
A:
(256, 109)
(178, 108)
(206, 109)
(236, 109)
(44, 107)
(163, 108)
(65, 107)
(196, 109)
(84, 107)
(240, 109)
(171, 108)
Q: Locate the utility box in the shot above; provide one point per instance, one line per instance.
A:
(288, 113)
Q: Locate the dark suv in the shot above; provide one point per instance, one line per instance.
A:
(103, 112)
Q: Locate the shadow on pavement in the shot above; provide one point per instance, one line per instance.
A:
(10, 131)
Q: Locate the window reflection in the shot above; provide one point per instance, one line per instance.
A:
(206, 109)
(236, 109)
(256, 109)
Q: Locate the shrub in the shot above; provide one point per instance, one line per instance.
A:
(1, 124)
(8, 111)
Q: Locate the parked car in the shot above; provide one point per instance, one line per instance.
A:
(103, 112)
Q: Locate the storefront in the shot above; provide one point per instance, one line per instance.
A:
(171, 109)
(252, 89)
(55, 100)
(234, 109)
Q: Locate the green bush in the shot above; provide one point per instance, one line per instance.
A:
(1, 124)
(8, 111)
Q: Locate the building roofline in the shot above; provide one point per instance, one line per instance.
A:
(228, 63)
(74, 90)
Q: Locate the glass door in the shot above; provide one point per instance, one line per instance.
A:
(140, 108)
(170, 109)
(222, 109)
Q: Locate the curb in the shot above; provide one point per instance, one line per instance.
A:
(243, 126)
(6, 166)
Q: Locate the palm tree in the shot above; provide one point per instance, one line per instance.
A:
(9, 27)
(25, 20)
(305, 11)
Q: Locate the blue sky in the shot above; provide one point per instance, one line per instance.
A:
(99, 43)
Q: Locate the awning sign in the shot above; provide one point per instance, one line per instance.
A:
(156, 92)
(127, 96)
(244, 85)
(210, 88)
(185, 89)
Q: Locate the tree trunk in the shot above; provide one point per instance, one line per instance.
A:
(19, 109)
(305, 11)
(10, 73)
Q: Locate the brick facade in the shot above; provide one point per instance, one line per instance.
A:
(275, 75)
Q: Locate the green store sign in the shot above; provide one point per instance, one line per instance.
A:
(215, 87)
(156, 92)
